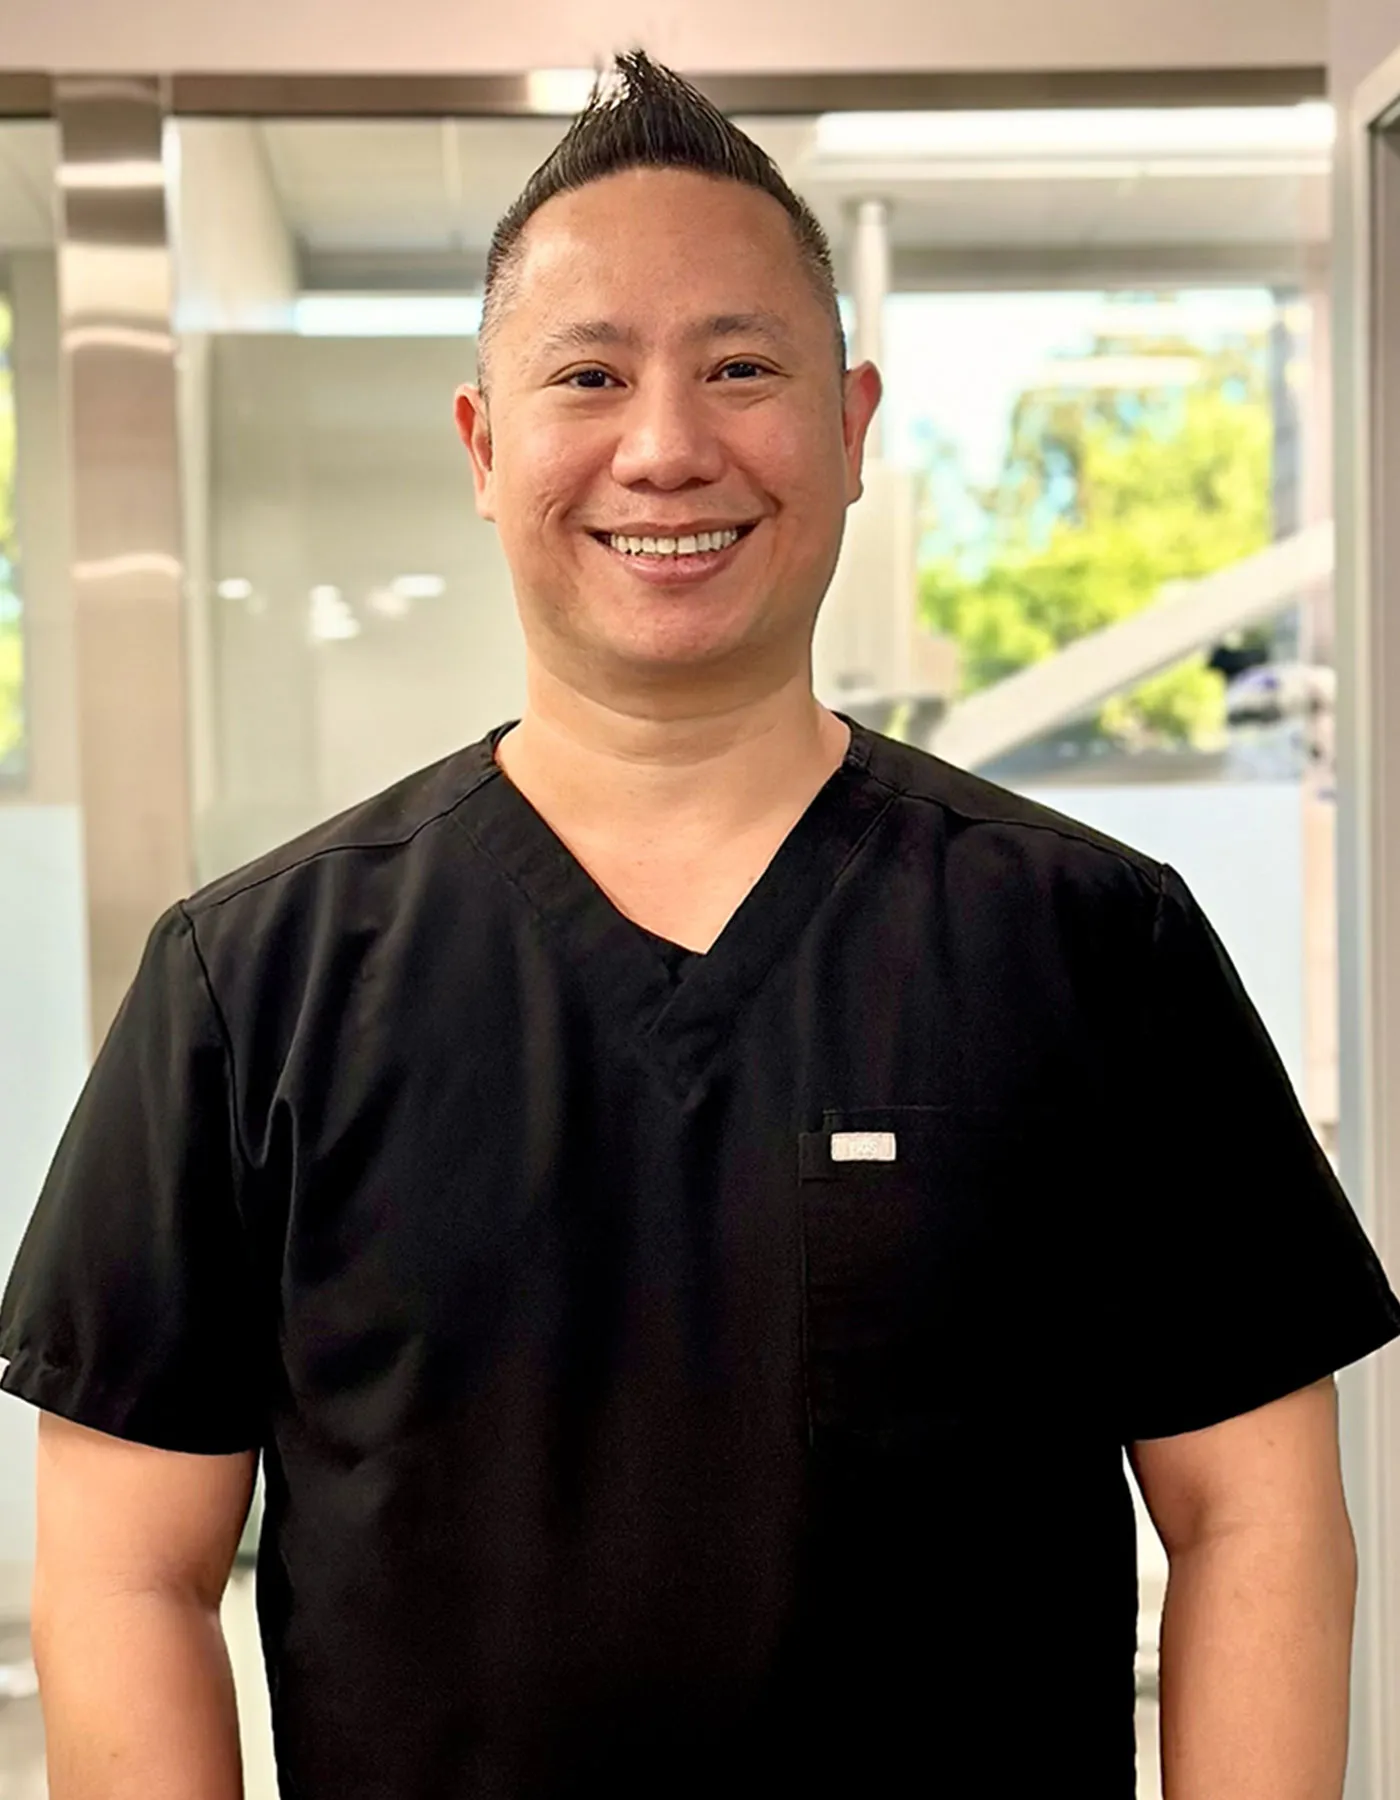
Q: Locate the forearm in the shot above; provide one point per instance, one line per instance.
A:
(1255, 1662)
(138, 1699)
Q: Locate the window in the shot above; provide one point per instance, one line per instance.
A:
(1079, 452)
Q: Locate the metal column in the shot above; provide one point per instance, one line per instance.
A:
(115, 286)
(870, 283)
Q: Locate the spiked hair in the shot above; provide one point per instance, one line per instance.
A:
(642, 115)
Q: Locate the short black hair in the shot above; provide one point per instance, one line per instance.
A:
(642, 115)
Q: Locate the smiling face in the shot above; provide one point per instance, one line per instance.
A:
(668, 446)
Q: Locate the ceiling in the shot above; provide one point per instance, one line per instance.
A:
(421, 188)
(380, 197)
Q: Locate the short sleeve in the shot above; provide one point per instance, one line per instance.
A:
(130, 1305)
(1249, 1274)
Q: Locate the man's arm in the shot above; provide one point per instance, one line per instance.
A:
(1256, 1630)
(134, 1551)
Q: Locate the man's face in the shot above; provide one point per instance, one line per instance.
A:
(664, 370)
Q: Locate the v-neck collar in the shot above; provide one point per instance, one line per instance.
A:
(679, 1026)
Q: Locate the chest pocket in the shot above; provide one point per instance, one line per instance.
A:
(942, 1277)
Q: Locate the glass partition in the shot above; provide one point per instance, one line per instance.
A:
(27, 156)
(351, 617)
(11, 639)
(43, 969)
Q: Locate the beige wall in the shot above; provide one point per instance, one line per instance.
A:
(725, 35)
(1361, 34)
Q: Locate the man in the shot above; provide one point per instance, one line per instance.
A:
(689, 1198)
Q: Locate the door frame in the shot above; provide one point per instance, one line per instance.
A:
(1367, 368)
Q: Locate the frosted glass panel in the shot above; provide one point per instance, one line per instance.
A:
(357, 615)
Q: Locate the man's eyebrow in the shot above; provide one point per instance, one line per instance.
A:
(584, 334)
(745, 324)
(592, 334)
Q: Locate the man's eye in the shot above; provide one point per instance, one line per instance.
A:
(587, 378)
(742, 368)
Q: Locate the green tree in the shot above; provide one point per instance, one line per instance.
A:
(11, 639)
(1103, 498)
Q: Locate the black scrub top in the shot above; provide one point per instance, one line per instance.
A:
(690, 1375)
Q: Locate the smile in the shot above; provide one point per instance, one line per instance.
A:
(697, 543)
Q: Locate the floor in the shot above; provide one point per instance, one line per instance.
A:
(21, 1729)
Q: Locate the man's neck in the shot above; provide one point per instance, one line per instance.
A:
(691, 779)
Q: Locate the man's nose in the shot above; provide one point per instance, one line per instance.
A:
(669, 436)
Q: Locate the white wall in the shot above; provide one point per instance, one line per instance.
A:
(1239, 848)
(440, 36)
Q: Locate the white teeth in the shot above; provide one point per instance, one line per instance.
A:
(670, 546)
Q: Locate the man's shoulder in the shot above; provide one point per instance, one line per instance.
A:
(965, 806)
(372, 840)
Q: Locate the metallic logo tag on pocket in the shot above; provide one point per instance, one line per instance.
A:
(863, 1146)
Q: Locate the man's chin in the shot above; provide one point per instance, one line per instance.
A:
(674, 656)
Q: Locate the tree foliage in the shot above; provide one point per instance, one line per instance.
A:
(1104, 497)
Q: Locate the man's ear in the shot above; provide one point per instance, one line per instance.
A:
(861, 390)
(474, 429)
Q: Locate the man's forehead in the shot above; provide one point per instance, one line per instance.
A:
(639, 221)
(644, 194)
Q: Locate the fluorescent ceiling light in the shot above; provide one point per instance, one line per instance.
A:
(559, 91)
(1118, 131)
(387, 315)
(143, 172)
